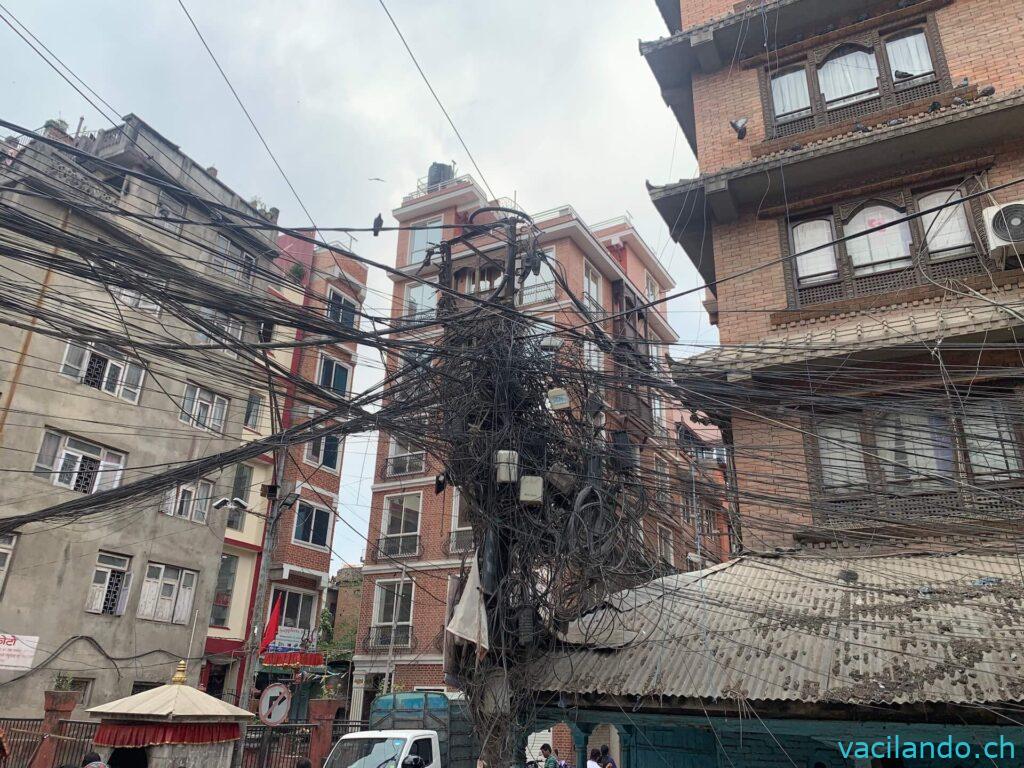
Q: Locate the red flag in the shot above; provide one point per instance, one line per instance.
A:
(270, 633)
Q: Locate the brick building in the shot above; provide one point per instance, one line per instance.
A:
(325, 282)
(417, 537)
(846, 215)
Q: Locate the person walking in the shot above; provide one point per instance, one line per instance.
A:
(607, 761)
(549, 759)
(595, 759)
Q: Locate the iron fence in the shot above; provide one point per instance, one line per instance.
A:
(340, 727)
(73, 741)
(278, 746)
(23, 737)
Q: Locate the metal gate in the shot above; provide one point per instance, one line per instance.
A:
(73, 739)
(23, 737)
(278, 746)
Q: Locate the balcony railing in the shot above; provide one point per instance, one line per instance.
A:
(405, 464)
(397, 545)
(531, 294)
(459, 541)
(390, 636)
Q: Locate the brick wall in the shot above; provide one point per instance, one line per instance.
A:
(695, 12)
(728, 94)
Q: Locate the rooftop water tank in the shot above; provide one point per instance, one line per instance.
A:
(439, 173)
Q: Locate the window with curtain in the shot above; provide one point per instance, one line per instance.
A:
(842, 456)
(991, 439)
(848, 75)
(946, 232)
(814, 241)
(910, 61)
(882, 250)
(790, 96)
(914, 446)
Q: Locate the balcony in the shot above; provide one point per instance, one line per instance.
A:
(389, 636)
(532, 294)
(459, 541)
(396, 546)
(405, 464)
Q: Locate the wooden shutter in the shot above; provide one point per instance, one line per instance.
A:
(149, 594)
(97, 591)
(167, 505)
(122, 598)
(183, 607)
(74, 361)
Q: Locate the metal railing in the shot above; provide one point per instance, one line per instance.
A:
(423, 188)
(405, 464)
(23, 737)
(531, 294)
(341, 727)
(398, 545)
(279, 746)
(73, 741)
(459, 541)
(388, 636)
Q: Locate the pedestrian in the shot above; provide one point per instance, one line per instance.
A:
(303, 762)
(549, 759)
(561, 763)
(93, 760)
(607, 761)
(595, 759)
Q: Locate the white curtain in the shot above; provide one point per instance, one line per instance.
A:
(912, 445)
(842, 458)
(887, 248)
(789, 93)
(991, 442)
(849, 72)
(945, 230)
(820, 263)
(909, 54)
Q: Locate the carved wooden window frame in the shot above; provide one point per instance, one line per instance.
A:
(889, 95)
(922, 269)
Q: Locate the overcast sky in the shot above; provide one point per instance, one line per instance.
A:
(551, 96)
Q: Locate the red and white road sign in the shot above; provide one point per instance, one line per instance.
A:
(275, 703)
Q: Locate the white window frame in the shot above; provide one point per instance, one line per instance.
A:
(428, 309)
(107, 474)
(313, 452)
(436, 222)
(230, 590)
(336, 298)
(136, 300)
(8, 542)
(229, 325)
(96, 595)
(666, 537)
(386, 518)
(253, 415)
(651, 289)
(233, 261)
(189, 501)
(320, 372)
(593, 357)
(155, 604)
(317, 510)
(169, 207)
(592, 286)
(200, 396)
(541, 287)
(116, 384)
(930, 222)
(377, 621)
(302, 593)
(410, 452)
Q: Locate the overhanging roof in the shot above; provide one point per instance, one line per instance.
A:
(849, 628)
(671, 12)
(692, 206)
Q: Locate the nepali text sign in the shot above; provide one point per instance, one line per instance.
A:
(292, 639)
(17, 651)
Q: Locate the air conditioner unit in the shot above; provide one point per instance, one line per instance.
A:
(1004, 225)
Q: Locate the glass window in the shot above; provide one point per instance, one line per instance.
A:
(910, 61)
(813, 241)
(841, 454)
(341, 309)
(233, 261)
(78, 465)
(203, 408)
(222, 594)
(424, 749)
(651, 288)
(592, 356)
(324, 452)
(312, 524)
(790, 95)
(430, 234)
(253, 407)
(403, 514)
(105, 369)
(914, 446)
(592, 287)
(991, 440)
(296, 608)
(848, 75)
(111, 583)
(882, 250)
(421, 301)
(666, 550)
(539, 287)
(189, 502)
(333, 375)
(394, 602)
(7, 542)
(946, 231)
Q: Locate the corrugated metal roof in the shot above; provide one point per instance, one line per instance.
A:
(862, 629)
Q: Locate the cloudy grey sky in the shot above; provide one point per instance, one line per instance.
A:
(551, 96)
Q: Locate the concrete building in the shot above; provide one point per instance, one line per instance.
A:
(326, 282)
(114, 601)
(421, 533)
(860, 115)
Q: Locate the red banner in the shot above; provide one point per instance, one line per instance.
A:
(147, 734)
(292, 659)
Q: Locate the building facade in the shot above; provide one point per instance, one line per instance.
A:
(419, 537)
(114, 601)
(854, 216)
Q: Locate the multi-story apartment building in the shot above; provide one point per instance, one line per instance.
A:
(327, 283)
(852, 216)
(419, 537)
(114, 601)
